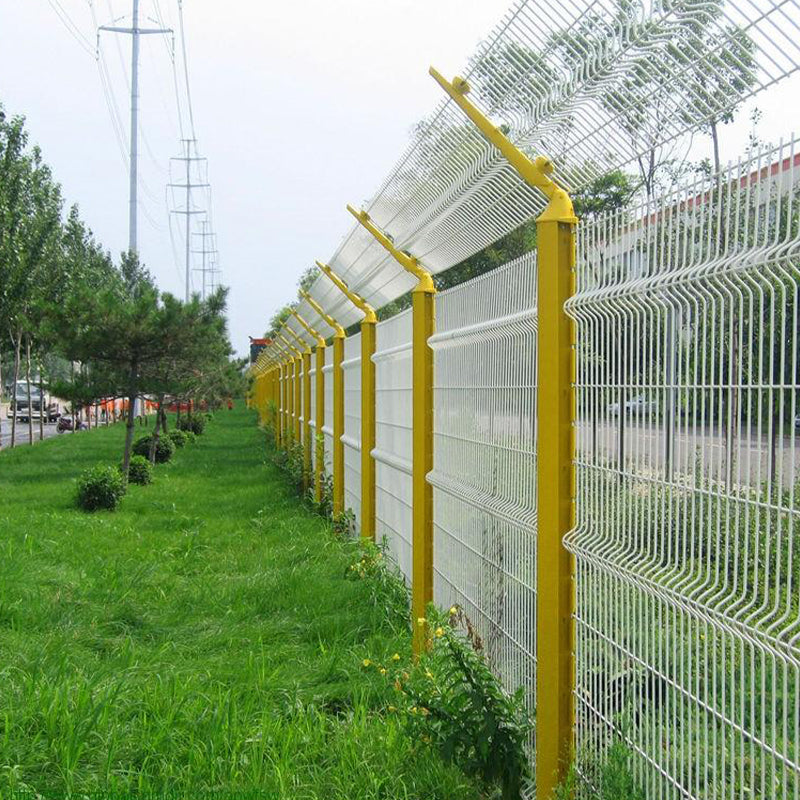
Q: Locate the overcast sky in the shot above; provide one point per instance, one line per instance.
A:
(299, 107)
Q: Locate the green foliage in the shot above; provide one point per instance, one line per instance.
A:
(165, 449)
(196, 424)
(100, 488)
(608, 192)
(178, 437)
(388, 592)
(140, 470)
(614, 777)
(453, 701)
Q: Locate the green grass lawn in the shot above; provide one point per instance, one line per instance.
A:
(203, 638)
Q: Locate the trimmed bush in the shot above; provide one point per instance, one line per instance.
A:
(101, 487)
(191, 438)
(140, 471)
(179, 438)
(196, 424)
(165, 449)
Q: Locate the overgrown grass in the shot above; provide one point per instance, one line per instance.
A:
(203, 637)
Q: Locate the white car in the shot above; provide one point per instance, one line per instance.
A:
(638, 405)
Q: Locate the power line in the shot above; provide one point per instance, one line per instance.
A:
(186, 67)
(72, 28)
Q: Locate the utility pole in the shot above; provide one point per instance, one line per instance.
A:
(188, 211)
(207, 268)
(135, 32)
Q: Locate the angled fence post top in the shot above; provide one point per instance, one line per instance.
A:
(304, 346)
(535, 171)
(318, 336)
(408, 262)
(359, 302)
(338, 329)
(289, 346)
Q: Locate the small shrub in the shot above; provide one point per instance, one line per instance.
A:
(178, 437)
(140, 471)
(190, 437)
(101, 487)
(196, 424)
(165, 449)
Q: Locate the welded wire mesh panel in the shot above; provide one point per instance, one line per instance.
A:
(688, 498)
(484, 474)
(352, 426)
(393, 441)
(593, 85)
(327, 428)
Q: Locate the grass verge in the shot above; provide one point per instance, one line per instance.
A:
(202, 638)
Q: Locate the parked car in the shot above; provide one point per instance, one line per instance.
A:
(636, 406)
(25, 407)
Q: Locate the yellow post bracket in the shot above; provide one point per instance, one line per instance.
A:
(311, 332)
(408, 262)
(338, 403)
(355, 299)
(555, 428)
(368, 340)
(536, 172)
(423, 311)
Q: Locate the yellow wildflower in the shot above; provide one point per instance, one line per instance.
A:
(420, 621)
(439, 632)
(396, 657)
(453, 611)
(366, 662)
(383, 670)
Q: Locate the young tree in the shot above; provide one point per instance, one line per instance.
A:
(116, 326)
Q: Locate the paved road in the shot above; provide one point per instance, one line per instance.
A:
(706, 447)
(22, 432)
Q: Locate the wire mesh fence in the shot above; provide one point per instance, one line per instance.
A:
(686, 423)
(687, 543)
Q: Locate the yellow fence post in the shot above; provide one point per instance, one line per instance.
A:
(308, 442)
(284, 396)
(367, 403)
(319, 409)
(292, 384)
(338, 403)
(303, 348)
(423, 310)
(555, 590)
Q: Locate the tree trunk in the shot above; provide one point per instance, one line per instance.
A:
(154, 437)
(41, 394)
(163, 412)
(28, 387)
(715, 142)
(131, 421)
(17, 358)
